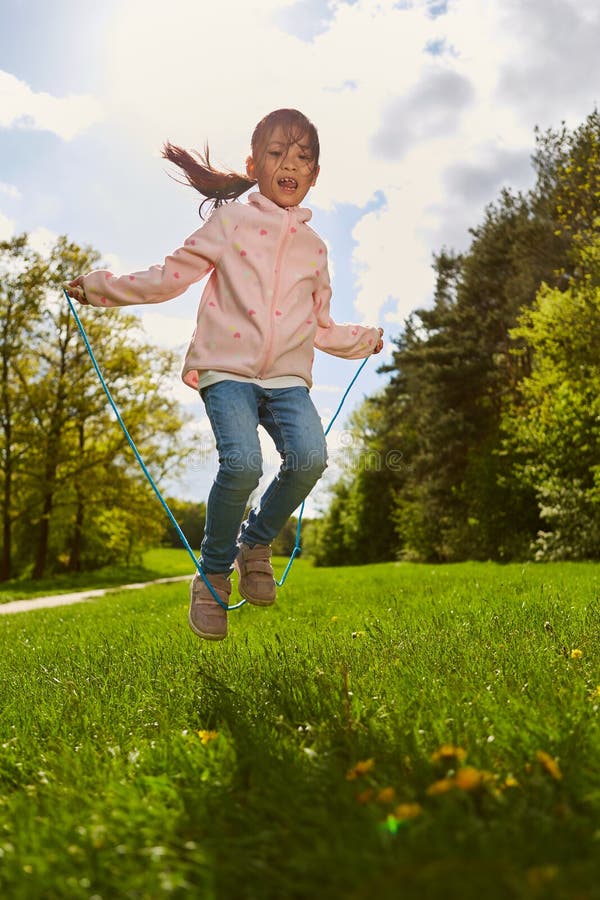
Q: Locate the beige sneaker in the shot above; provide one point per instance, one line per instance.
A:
(256, 582)
(207, 618)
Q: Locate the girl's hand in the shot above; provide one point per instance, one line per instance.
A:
(379, 345)
(76, 290)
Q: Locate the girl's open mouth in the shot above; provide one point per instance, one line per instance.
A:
(287, 184)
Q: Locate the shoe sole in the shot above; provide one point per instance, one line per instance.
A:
(254, 601)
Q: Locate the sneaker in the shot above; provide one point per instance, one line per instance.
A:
(256, 582)
(207, 618)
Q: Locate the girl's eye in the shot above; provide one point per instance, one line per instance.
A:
(274, 153)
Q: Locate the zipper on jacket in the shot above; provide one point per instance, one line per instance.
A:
(275, 297)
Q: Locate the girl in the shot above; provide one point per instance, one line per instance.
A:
(263, 310)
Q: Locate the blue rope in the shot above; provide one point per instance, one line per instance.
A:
(297, 548)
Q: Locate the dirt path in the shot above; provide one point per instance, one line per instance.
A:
(16, 606)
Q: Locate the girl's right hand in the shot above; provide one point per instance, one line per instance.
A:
(76, 290)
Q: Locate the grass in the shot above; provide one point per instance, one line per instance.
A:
(301, 757)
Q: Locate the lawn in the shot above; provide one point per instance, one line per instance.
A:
(382, 732)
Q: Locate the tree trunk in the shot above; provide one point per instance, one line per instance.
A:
(5, 563)
(77, 538)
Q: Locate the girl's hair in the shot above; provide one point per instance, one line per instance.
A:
(219, 187)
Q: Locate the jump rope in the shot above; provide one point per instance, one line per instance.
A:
(297, 547)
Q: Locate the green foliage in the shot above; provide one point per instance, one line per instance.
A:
(191, 518)
(461, 370)
(355, 529)
(319, 751)
(553, 426)
(72, 498)
(285, 541)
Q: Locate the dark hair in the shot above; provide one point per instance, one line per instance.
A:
(219, 187)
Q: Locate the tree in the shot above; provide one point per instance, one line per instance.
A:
(21, 294)
(455, 369)
(358, 527)
(82, 502)
(552, 427)
(191, 518)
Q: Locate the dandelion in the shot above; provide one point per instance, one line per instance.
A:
(469, 779)
(448, 753)
(386, 795)
(361, 768)
(207, 736)
(549, 764)
(335, 619)
(576, 654)
(510, 782)
(406, 811)
(358, 634)
(365, 797)
(440, 787)
(595, 693)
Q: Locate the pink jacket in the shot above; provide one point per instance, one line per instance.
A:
(266, 303)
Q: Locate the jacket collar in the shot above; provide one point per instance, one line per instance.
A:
(301, 213)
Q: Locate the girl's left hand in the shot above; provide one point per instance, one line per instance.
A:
(379, 345)
(76, 290)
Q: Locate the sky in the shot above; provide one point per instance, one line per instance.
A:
(426, 109)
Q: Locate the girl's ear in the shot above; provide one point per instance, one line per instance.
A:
(316, 175)
(250, 167)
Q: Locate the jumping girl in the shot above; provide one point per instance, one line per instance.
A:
(263, 310)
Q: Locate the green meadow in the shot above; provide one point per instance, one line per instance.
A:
(384, 731)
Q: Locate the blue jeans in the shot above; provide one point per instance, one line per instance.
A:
(235, 410)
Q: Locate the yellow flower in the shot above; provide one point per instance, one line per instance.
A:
(365, 796)
(469, 779)
(549, 764)
(576, 654)
(361, 768)
(386, 795)
(449, 753)
(440, 787)
(408, 811)
(335, 618)
(207, 736)
(510, 782)
(595, 693)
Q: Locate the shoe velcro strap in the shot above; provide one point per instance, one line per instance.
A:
(258, 566)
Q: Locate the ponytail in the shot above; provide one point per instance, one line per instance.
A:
(216, 187)
(219, 187)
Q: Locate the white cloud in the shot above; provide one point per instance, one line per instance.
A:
(430, 104)
(7, 228)
(167, 330)
(9, 190)
(326, 388)
(408, 99)
(42, 240)
(23, 108)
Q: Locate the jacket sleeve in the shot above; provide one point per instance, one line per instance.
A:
(200, 252)
(346, 340)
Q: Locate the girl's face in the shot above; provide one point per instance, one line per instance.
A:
(285, 172)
